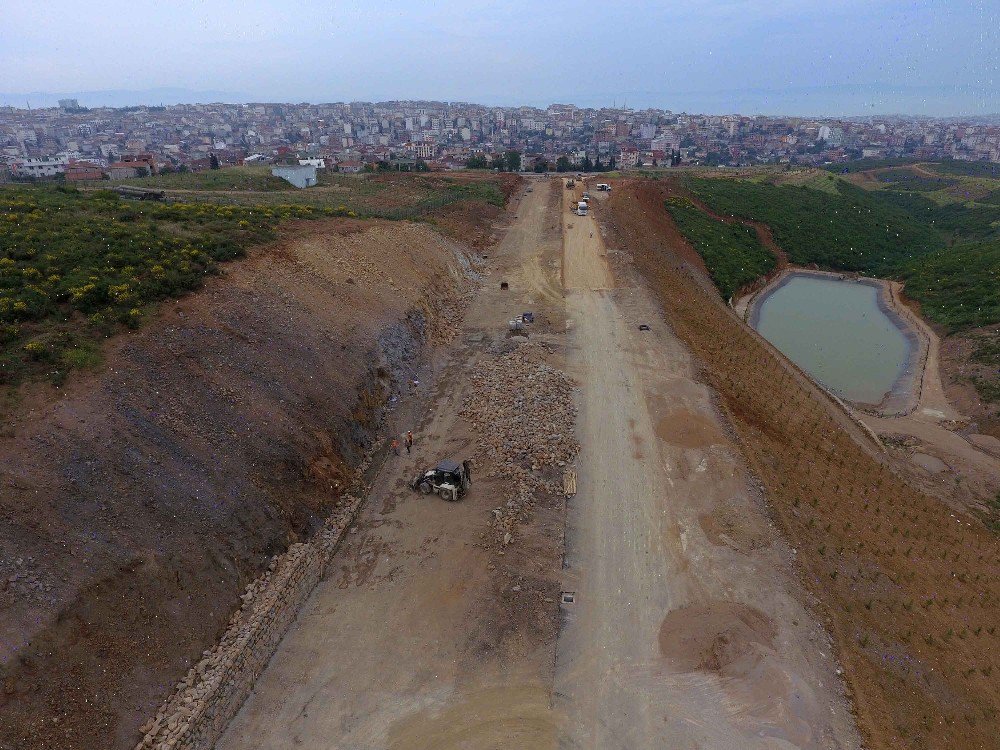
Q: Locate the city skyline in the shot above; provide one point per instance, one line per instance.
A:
(782, 58)
(83, 143)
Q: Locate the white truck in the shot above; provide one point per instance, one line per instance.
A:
(581, 208)
(604, 186)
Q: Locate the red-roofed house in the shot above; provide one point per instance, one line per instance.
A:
(628, 157)
(83, 170)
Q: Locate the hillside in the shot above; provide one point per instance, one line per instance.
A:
(908, 590)
(940, 236)
(848, 230)
(140, 496)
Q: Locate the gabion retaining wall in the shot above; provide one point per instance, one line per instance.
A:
(214, 689)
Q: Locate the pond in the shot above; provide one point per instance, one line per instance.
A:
(839, 332)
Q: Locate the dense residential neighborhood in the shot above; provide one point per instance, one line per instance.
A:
(85, 144)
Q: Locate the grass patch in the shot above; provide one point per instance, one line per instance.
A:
(956, 220)
(864, 165)
(384, 196)
(732, 253)
(252, 178)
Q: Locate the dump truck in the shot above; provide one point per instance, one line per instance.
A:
(581, 208)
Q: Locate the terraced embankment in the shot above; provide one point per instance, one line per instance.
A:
(138, 503)
(908, 587)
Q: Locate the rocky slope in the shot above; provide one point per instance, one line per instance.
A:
(137, 504)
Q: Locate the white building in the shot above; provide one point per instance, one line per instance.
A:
(313, 162)
(41, 167)
(300, 175)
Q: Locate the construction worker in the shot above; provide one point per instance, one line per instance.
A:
(395, 446)
(409, 440)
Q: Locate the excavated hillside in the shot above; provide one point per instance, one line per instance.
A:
(137, 503)
(907, 586)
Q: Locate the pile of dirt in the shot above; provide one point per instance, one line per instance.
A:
(523, 410)
(718, 637)
(136, 504)
(908, 586)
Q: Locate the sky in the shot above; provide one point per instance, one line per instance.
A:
(836, 57)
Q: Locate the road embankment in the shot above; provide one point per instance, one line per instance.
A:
(140, 501)
(906, 585)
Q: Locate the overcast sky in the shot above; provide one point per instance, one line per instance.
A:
(753, 56)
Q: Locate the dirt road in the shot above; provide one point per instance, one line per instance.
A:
(687, 628)
(418, 638)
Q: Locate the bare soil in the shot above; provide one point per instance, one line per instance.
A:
(138, 502)
(687, 627)
(907, 586)
(432, 632)
(958, 369)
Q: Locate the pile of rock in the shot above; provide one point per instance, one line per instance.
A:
(213, 690)
(523, 412)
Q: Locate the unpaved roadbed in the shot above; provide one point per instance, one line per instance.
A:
(688, 627)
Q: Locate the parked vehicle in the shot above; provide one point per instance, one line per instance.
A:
(449, 479)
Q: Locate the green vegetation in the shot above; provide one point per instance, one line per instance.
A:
(75, 266)
(965, 168)
(509, 161)
(956, 220)
(987, 354)
(906, 179)
(383, 195)
(948, 253)
(958, 286)
(486, 192)
(864, 165)
(732, 253)
(988, 351)
(252, 178)
(992, 198)
(851, 230)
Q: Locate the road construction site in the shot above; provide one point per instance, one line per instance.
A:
(659, 546)
(655, 607)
